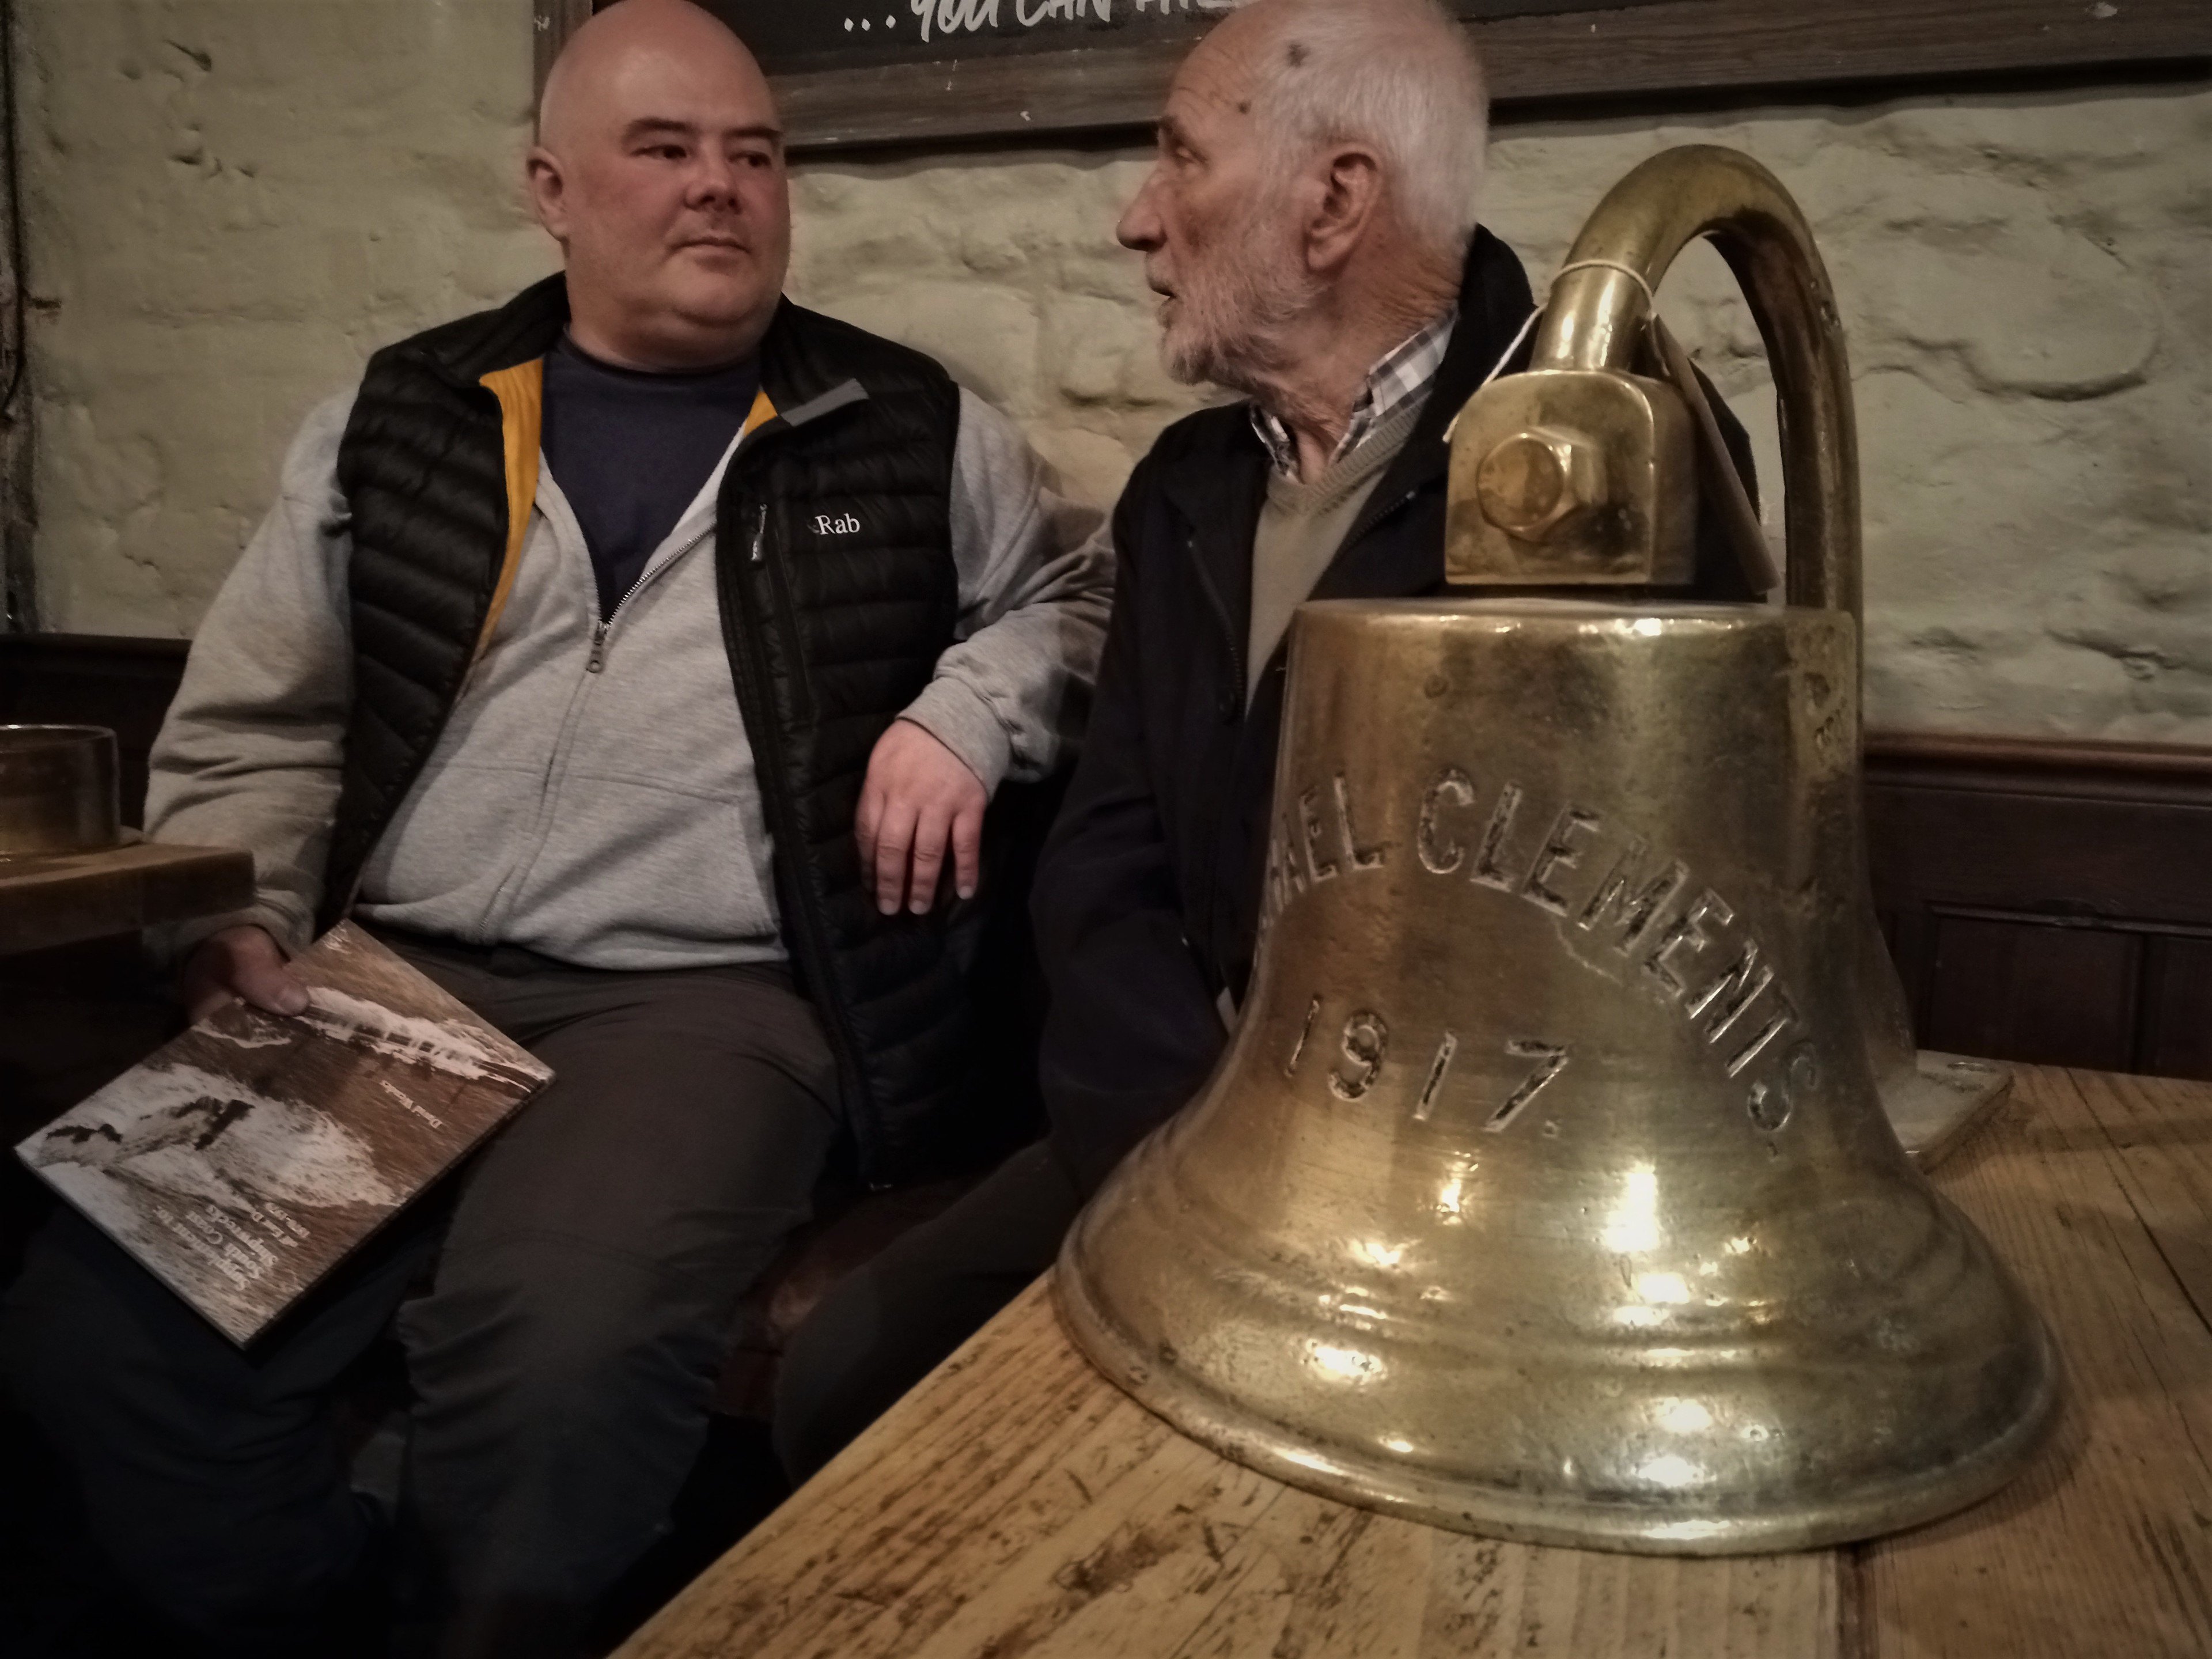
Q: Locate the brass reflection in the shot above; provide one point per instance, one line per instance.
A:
(1546, 1189)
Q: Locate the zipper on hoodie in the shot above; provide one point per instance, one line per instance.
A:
(508, 892)
(596, 662)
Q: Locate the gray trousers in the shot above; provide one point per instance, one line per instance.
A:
(884, 1326)
(586, 1268)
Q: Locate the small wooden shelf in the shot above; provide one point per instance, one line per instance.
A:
(59, 898)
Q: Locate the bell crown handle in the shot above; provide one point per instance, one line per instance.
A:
(1595, 319)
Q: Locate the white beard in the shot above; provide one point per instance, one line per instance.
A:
(1235, 301)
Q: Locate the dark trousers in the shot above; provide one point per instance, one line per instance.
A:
(882, 1329)
(586, 1268)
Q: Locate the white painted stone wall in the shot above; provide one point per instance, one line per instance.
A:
(232, 201)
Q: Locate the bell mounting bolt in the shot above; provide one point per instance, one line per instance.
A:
(1539, 480)
(1580, 380)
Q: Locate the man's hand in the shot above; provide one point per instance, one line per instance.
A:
(919, 796)
(242, 964)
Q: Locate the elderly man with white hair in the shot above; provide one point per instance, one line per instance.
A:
(1311, 225)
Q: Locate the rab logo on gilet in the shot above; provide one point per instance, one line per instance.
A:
(844, 523)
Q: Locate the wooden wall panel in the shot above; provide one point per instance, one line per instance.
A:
(2049, 996)
(2049, 902)
(2176, 1037)
(2000, 834)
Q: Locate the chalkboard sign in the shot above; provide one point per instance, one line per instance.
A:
(790, 36)
(878, 73)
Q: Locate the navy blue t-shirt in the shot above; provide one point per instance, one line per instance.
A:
(630, 449)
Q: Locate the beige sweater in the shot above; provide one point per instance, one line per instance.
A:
(1303, 522)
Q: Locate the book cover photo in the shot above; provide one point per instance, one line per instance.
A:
(244, 1160)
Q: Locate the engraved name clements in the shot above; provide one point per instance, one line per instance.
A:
(1656, 919)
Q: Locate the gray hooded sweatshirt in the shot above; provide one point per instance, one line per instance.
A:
(592, 797)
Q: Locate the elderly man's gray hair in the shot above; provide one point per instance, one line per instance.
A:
(1399, 75)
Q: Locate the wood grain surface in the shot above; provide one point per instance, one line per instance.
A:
(1016, 1505)
(2097, 1190)
(66, 896)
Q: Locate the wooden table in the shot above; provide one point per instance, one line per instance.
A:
(63, 897)
(1017, 1506)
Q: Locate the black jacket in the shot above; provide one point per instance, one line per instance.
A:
(1148, 896)
(829, 640)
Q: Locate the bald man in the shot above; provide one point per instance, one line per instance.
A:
(638, 660)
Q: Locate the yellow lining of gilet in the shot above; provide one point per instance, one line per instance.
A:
(521, 394)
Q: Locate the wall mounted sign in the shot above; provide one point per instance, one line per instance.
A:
(878, 73)
(850, 34)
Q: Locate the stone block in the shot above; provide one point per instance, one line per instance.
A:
(986, 336)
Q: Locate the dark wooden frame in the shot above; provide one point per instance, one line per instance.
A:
(1733, 48)
(2048, 902)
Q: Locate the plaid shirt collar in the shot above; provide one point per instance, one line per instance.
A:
(1400, 375)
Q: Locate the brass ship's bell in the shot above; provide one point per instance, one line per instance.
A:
(1547, 1190)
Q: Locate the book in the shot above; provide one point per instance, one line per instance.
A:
(245, 1159)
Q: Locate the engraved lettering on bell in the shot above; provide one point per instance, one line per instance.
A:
(1802, 1068)
(1551, 1060)
(1311, 833)
(1363, 858)
(1779, 1021)
(1634, 905)
(1632, 911)
(1560, 852)
(1486, 869)
(1278, 888)
(1427, 1103)
(1439, 853)
(1687, 929)
(1367, 1040)
(1305, 1030)
(1732, 992)
(1272, 896)
(1292, 835)
(1769, 1105)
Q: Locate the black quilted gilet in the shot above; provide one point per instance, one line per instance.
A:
(838, 594)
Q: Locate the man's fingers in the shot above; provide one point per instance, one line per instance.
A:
(258, 973)
(893, 837)
(928, 859)
(922, 807)
(203, 998)
(864, 822)
(271, 986)
(967, 852)
(240, 964)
